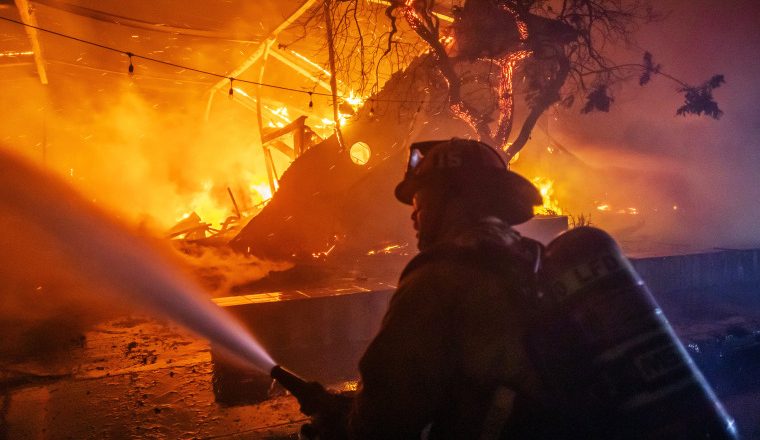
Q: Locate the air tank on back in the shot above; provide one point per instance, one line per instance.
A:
(609, 355)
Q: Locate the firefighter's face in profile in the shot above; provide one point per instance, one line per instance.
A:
(416, 214)
(425, 216)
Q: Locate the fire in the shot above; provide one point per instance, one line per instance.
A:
(281, 113)
(354, 100)
(514, 158)
(550, 204)
(207, 207)
(240, 91)
(329, 123)
(280, 117)
(263, 190)
(14, 54)
(606, 207)
(390, 249)
(447, 41)
(310, 62)
(324, 253)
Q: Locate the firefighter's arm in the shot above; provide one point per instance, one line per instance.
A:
(406, 367)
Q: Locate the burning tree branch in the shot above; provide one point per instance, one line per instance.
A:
(419, 15)
(557, 53)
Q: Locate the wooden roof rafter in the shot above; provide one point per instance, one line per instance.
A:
(26, 12)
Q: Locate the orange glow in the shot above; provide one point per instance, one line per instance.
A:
(262, 190)
(209, 209)
(447, 41)
(12, 54)
(354, 100)
(390, 249)
(514, 158)
(323, 253)
(311, 63)
(606, 207)
(550, 204)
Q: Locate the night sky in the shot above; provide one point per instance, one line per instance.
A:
(710, 166)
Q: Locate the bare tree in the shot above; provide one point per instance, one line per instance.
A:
(560, 50)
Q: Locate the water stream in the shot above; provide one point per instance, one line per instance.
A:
(99, 249)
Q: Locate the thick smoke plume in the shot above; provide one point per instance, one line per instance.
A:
(147, 160)
(692, 180)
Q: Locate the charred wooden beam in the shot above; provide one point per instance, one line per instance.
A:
(251, 60)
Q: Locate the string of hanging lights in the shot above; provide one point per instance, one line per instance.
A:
(131, 67)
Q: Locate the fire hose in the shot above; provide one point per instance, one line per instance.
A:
(328, 411)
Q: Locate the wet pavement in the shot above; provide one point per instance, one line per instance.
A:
(133, 378)
(138, 378)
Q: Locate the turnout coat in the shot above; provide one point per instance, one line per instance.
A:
(450, 359)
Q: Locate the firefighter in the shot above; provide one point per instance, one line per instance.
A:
(449, 358)
(482, 342)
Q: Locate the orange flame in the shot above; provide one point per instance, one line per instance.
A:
(550, 204)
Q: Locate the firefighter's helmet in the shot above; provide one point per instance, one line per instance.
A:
(468, 166)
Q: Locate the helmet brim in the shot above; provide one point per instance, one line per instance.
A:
(513, 190)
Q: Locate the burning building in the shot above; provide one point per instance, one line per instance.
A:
(279, 129)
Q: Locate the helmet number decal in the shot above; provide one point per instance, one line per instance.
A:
(450, 159)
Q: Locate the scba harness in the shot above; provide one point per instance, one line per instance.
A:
(610, 362)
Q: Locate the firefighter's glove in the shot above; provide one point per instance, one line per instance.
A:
(328, 412)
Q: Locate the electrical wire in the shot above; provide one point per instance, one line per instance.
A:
(132, 55)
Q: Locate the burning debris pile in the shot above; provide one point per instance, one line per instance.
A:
(328, 201)
(334, 89)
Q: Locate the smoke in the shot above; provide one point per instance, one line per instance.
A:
(148, 161)
(141, 148)
(219, 269)
(44, 308)
(693, 180)
(138, 148)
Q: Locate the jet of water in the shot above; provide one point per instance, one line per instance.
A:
(102, 250)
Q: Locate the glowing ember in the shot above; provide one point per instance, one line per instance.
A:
(390, 249)
(323, 253)
(447, 41)
(12, 54)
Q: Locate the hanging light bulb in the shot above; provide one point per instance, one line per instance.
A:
(311, 102)
(371, 108)
(231, 92)
(131, 68)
